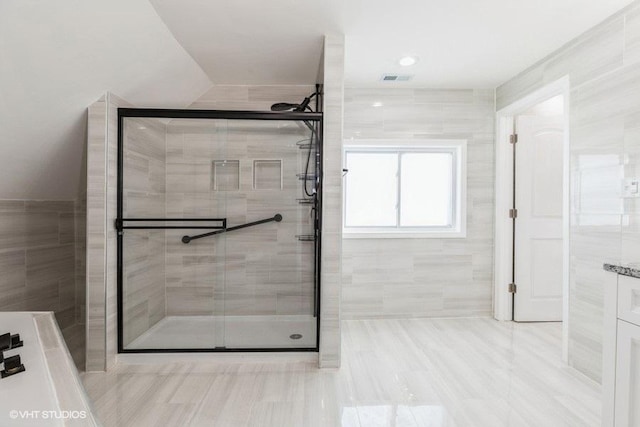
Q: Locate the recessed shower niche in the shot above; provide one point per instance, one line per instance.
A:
(209, 257)
(225, 175)
(267, 174)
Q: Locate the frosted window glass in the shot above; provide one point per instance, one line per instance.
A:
(371, 189)
(427, 189)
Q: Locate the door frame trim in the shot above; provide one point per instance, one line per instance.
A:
(502, 303)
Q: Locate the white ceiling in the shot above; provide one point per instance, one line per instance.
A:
(460, 43)
(57, 57)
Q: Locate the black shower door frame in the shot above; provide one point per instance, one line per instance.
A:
(121, 222)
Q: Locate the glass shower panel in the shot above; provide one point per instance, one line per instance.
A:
(270, 267)
(143, 285)
(218, 234)
(173, 293)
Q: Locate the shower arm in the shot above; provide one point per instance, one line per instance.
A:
(276, 218)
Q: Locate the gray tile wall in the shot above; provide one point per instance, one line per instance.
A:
(425, 277)
(111, 302)
(38, 261)
(260, 270)
(76, 336)
(80, 213)
(101, 236)
(267, 270)
(96, 235)
(604, 69)
(37, 253)
(331, 272)
(144, 197)
(250, 97)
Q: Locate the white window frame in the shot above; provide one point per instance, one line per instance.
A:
(457, 147)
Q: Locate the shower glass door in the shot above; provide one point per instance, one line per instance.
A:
(218, 238)
(172, 292)
(269, 298)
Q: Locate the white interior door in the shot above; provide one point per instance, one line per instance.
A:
(538, 230)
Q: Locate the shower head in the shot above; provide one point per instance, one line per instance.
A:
(284, 106)
(300, 108)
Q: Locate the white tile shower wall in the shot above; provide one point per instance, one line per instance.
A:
(604, 70)
(331, 270)
(425, 277)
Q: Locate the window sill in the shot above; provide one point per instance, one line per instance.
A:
(454, 234)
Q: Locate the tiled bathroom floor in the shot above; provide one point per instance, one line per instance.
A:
(417, 372)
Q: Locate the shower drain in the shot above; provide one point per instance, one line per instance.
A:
(295, 336)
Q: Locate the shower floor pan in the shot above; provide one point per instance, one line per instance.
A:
(232, 332)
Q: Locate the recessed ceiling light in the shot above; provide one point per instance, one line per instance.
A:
(377, 104)
(407, 61)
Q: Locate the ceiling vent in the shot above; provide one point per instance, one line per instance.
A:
(396, 77)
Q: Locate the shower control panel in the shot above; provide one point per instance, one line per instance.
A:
(12, 364)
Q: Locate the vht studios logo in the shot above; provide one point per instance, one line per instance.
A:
(47, 415)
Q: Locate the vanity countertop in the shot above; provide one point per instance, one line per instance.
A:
(631, 270)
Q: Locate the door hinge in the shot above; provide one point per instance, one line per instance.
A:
(513, 138)
(512, 288)
(513, 213)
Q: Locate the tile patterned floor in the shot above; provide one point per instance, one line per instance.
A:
(414, 372)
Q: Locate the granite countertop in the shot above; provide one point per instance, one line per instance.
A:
(631, 270)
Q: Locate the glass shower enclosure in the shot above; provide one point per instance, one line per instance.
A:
(218, 230)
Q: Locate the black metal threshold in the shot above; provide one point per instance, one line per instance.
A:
(221, 350)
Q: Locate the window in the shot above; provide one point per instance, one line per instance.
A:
(398, 191)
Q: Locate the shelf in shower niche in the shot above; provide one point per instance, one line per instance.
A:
(306, 146)
(306, 237)
(267, 174)
(225, 175)
(306, 177)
